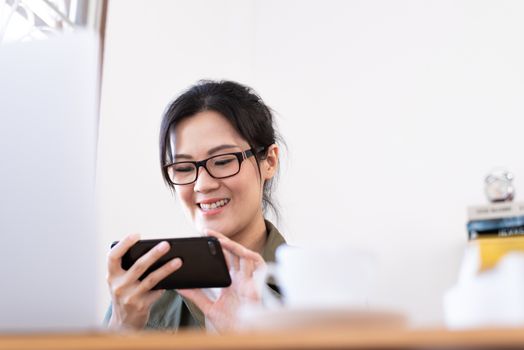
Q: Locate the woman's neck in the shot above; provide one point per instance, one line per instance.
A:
(253, 236)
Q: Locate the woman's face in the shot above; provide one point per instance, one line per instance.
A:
(227, 205)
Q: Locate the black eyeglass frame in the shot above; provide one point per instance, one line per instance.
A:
(241, 156)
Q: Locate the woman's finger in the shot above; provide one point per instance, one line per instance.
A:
(236, 262)
(241, 251)
(114, 257)
(247, 266)
(232, 259)
(224, 242)
(243, 259)
(229, 259)
(159, 274)
(198, 297)
(145, 261)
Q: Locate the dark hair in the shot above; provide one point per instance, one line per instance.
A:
(240, 105)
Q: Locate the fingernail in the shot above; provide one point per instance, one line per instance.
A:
(134, 237)
(176, 262)
(163, 246)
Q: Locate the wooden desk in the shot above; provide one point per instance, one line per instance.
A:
(311, 339)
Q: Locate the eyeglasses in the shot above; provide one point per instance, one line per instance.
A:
(219, 167)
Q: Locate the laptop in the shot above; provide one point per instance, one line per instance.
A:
(48, 239)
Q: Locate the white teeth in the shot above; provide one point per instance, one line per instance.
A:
(215, 205)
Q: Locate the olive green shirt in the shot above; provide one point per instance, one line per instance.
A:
(172, 311)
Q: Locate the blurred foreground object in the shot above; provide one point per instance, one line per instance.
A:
(323, 285)
(47, 183)
(490, 287)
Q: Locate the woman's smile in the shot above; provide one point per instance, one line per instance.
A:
(213, 206)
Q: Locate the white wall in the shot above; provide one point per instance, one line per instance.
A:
(393, 111)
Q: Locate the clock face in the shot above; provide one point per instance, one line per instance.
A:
(499, 187)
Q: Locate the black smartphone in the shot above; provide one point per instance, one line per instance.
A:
(203, 262)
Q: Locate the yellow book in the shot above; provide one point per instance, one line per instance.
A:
(492, 249)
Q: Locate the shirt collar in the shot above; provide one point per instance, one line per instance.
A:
(273, 240)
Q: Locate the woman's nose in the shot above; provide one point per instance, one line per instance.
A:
(205, 182)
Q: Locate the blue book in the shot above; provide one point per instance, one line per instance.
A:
(502, 227)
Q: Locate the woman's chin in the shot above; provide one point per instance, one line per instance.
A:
(215, 225)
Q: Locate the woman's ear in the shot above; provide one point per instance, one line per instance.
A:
(270, 164)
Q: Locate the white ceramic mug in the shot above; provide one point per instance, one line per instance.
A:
(331, 277)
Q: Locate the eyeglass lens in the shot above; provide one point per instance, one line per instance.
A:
(219, 167)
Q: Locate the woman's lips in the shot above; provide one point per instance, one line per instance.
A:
(213, 206)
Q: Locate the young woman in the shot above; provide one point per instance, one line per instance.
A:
(219, 155)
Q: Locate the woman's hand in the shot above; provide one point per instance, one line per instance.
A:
(132, 299)
(242, 263)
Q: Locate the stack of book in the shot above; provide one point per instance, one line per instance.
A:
(491, 278)
(503, 219)
(496, 229)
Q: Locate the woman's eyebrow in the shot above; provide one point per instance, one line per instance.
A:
(210, 152)
(182, 156)
(220, 148)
